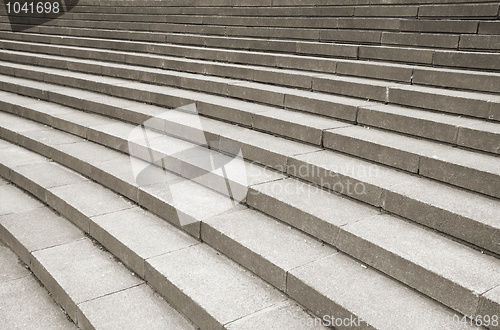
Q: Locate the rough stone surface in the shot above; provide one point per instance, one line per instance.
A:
(216, 292)
(24, 304)
(340, 287)
(265, 246)
(308, 208)
(490, 307)
(82, 200)
(462, 214)
(346, 175)
(37, 178)
(134, 235)
(285, 315)
(134, 308)
(79, 271)
(401, 250)
(12, 267)
(15, 200)
(36, 230)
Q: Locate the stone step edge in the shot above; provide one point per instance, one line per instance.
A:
(125, 87)
(224, 85)
(310, 182)
(357, 120)
(348, 73)
(112, 244)
(68, 157)
(429, 62)
(45, 279)
(288, 274)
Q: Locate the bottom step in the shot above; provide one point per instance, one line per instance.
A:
(95, 290)
(24, 303)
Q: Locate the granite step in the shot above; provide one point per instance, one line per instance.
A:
(398, 151)
(364, 181)
(456, 130)
(403, 54)
(428, 159)
(20, 291)
(474, 104)
(226, 232)
(146, 244)
(80, 275)
(457, 79)
(326, 231)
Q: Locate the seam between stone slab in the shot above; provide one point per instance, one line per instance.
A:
(395, 184)
(357, 112)
(111, 293)
(237, 81)
(286, 298)
(288, 138)
(56, 245)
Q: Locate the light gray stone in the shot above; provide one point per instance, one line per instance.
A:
(79, 271)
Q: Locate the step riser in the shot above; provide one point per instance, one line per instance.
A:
(432, 57)
(486, 185)
(180, 300)
(378, 196)
(450, 301)
(461, 79)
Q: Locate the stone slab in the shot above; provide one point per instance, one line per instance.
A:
(327, 105)
(375, 145)
(78, 272)
(12, 268)
(82, 156)
(36, 230)
(37, 178)
(300, 126)
(15, 200)
(314, 211)
(184, 203)
(361, 180)
(342, 288)
(217, 291)
(264, 149)
(263, 245)
(482, 136)
(463, 168)
(459, 79)
(489, 309)
(137, 308)
(134, 235)
(401, 250)
(287, 315)
(458, 102)
(436, 126)
(82, 200)
(24, 304)
(459, 213)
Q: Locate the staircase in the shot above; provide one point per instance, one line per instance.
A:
(264, 164)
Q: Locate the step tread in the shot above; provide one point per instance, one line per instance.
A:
(419, 156)
(368, 236)
(72, 268)
(363, 172)
(323, 277)
(197, 261)
(343, 66)
(438, 205)
(156, 242)
(20, 291)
